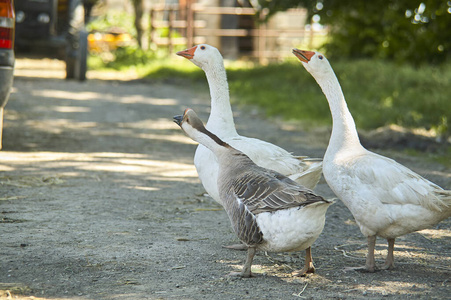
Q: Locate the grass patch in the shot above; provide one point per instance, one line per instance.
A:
(285, 90)
(378, 93)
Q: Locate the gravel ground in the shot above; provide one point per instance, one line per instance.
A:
(100, 200)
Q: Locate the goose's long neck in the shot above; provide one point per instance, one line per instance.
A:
(344, 133)
(226, 154)
(212, 142)
(221, 117)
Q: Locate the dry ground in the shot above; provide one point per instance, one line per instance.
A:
(100, 200)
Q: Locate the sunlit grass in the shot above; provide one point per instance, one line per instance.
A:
(378, 93)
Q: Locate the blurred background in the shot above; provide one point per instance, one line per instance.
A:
(391, 57)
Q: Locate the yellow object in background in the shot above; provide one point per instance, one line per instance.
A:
(107, 41)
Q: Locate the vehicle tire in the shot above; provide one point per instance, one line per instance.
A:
(82, 56)
(74, 35)
(70, 67)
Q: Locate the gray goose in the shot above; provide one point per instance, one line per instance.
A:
(268, 211)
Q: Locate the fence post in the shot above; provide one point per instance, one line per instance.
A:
(262, 36)
(189, 25)
(151, 27)
(170, 27)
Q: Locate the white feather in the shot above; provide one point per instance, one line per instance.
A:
(292, 229)
(386, 198)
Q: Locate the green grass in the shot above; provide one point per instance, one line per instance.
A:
(378, 93)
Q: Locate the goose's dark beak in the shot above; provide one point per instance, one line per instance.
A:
(178, 120)
(303, 55)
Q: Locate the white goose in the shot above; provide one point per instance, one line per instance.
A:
(386, 199)
(301, 169)
(268, 211)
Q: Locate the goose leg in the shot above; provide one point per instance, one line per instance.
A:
(236, 247)
(370, 265)
(308, 264)
(390, 260)
(246, 272)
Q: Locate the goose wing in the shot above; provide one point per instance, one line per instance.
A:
(379, 177)
(266, 191)
(302, 169)
(270, 191)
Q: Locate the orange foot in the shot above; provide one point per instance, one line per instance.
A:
(304, 271)
(364, 269)
(241, 274)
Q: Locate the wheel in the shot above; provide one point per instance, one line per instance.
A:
(70, 67)
(77, 41)
(82, 56)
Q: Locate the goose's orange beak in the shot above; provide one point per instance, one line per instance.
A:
(303, 55)
(188, 53)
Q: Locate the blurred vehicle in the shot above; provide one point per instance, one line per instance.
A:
(7, 57)
(54, 28)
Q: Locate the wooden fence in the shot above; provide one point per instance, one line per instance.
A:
(192, 31)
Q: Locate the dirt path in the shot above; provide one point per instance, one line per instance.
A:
(100, 200)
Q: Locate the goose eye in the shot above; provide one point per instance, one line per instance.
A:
(320, 57)
(202, 47)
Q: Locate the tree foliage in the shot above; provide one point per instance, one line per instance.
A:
(403, 30)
